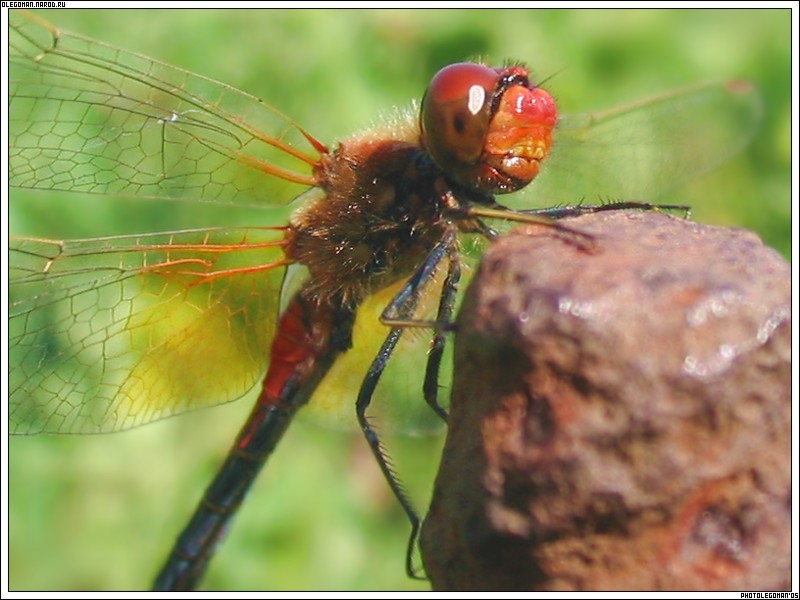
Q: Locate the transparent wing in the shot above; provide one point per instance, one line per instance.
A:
(642, 150)
(110, 333)
(88, 117)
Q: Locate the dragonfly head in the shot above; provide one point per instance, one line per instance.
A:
(487, 128)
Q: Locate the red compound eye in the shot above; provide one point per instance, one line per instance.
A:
(456, 112)
(487, 129)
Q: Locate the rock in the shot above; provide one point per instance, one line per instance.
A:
(621, 416)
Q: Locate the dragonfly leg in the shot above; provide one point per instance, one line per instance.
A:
(561, 212)
(363, 401)
(445, 316)
(399, 314)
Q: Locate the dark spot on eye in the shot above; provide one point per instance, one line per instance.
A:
(458, 124)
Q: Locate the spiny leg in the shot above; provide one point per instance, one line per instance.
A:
(561, 212)
(444, 317)
(398, 314)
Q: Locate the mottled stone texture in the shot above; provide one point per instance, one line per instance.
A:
(621, 417)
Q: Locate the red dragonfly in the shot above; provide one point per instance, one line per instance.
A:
(111, 333)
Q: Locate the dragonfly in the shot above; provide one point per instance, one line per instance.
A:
(112, 333)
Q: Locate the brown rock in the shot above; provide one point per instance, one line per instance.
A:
(620, 418)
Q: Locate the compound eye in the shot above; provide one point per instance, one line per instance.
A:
(455, 114)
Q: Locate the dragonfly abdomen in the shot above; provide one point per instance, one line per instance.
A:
(309, 338)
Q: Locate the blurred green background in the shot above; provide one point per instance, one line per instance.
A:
(101, 512)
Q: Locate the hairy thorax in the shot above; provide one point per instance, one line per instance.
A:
(376, 222)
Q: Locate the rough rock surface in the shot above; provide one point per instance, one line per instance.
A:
(620, 417)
